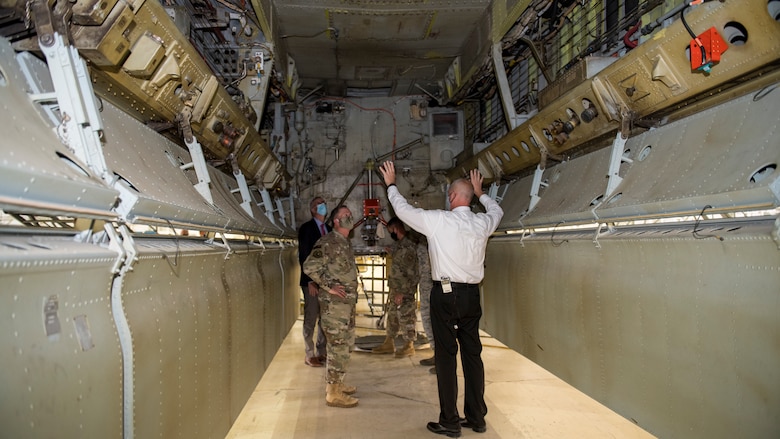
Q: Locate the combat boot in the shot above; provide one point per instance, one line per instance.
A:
(347, 389)
(406, 351)
(388, 347)
(334, 397)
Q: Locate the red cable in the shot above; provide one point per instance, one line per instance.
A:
(627, 37)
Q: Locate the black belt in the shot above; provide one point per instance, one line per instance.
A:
(456, 284)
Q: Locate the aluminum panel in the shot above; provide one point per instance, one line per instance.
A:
(725, 157)
(61, 362)
(559, 203)
(149, 165)
(677, 334)
(200, 319)
(178, 312)
(248, 293)
(38, 174)
(229, 204)
(515, 202)
(711, 158)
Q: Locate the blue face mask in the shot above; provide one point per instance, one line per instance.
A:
(322, 209)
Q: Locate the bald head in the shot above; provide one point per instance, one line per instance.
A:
(460, 193)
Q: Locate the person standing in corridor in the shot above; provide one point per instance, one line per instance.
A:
(308, 234)
(401, 306)
(457, 240)
(331, 265)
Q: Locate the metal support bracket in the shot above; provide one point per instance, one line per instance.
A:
(115, 244)
(280, 210)
(267, 204)
(291, 200)
(198, 162)
(128, 255)
(225, 244)
(593, 210)
(598, 233)
(260, 92)
(500, 197)
(81, 126)
(243, 189)
(201, 170)
(493, 192)
(259, 243)
(616, 159)
(504, 90)
(536, 184)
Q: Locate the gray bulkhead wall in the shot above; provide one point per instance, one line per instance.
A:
(54, 383)
(667, 324)
(674, 333)
(339, 136)
(204, 332)
(203, 320)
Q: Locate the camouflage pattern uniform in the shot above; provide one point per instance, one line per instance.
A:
(426, 285)
(332, 263)
(403, 278)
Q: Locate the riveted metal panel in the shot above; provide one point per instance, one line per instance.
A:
(204, 330)
(515, 203)
(380, 43)
(61, 362)
(710, 158)
(38, 174)
(222, 187)
(655, 79)
(158, 98)
(248, 296)
(561, 204)
(178, 314)
(149, 163)
(677, 334)
(725, 158)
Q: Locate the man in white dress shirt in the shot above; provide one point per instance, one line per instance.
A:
(456, 242)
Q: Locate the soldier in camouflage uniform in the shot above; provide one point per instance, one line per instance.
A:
(401, 308)
(331, 265)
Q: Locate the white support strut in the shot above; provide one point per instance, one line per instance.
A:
(243, 189)
(535, 186)
(81, 125)
(503, 87)
(615, 160)
(201, 170)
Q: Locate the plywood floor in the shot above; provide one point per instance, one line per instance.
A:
(398, 397)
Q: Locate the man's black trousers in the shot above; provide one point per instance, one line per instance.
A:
(455, 320)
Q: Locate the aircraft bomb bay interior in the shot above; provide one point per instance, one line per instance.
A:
(158, 157)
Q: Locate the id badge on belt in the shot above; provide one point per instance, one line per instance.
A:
(446, 286)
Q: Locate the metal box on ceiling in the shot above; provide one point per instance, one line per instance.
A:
(446, 137)
(146, 55)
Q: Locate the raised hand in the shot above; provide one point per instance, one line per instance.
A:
(476, 182)
(387, 169)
